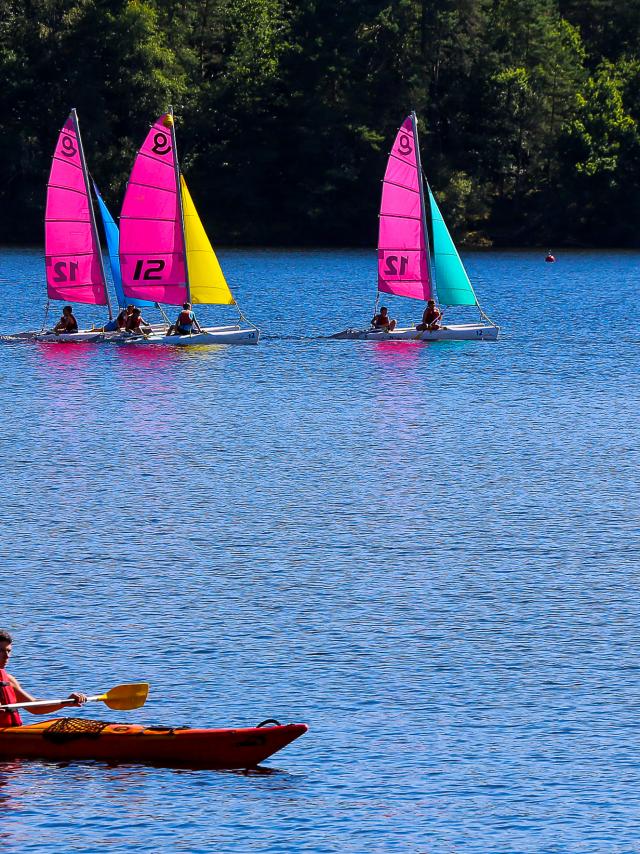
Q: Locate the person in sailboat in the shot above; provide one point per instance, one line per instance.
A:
(119, 323)
(185, 323)
(136, 323)
(431, 317)
(124, 316)
(67, 323)
(383, 321)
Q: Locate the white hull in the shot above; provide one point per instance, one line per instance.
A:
(84, 336)
(459, 332)
(208, 336)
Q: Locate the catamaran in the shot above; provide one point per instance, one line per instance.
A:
(165, 254)
(73, 260)
(405, 265)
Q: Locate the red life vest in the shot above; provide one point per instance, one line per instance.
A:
(185, 318)
(8, 695)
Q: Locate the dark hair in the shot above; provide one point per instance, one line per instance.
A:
(67, 308)
(383, 308)
(136, 311)
(5, 637)
(186, 305)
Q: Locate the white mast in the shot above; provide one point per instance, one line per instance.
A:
(179, 192)
(423, 209)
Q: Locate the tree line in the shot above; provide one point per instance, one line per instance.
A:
(286, 109)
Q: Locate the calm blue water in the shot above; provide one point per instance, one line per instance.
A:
(429, 553)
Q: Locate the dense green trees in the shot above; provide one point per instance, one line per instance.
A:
(529, 110)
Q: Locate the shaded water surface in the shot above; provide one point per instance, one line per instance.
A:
(429, 553)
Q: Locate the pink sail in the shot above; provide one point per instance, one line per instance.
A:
(72, 260)
(152, 255)
(403, 268)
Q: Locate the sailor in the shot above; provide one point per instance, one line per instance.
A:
(185, 323)
(124, 316)
(135, 321)
(67, 322)
(431, 316)
(12, 692)
(383, 321)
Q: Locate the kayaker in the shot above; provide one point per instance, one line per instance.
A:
(12, 692)
(383, 321)
(185, 323)
(431, 317)
(67, 323)
(135, 321)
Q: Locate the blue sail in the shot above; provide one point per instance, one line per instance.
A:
(452, 283)
(113, 241)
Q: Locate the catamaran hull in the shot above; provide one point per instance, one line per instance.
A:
(461, 332)
(82, 337)
(213, 335)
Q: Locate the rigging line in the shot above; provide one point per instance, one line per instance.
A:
(485, 316)
(46, 315)
(246, 319)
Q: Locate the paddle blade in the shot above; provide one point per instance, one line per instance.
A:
(126, 697)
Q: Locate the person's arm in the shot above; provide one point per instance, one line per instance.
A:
(23, 696)
(196, 324)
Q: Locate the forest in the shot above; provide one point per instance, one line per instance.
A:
(528, 111)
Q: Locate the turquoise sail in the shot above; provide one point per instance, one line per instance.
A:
(113, 240)
(452, 283)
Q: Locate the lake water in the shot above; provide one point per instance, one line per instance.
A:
(428, 553)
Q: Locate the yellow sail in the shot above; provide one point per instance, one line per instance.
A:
(207, 283)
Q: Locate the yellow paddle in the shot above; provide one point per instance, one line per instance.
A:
(122, 697)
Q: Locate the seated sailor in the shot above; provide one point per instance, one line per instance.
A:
(124, 316)
(431, 317)
(67, 322)
(383, 321)
(135, 322)
(185, 323)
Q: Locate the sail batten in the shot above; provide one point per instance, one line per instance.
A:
(73, 262)
(403, 265)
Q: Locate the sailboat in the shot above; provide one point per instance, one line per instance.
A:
(405, 265)
(165, 254)
(73, 260)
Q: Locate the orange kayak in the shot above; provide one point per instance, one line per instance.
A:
(79, 738)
